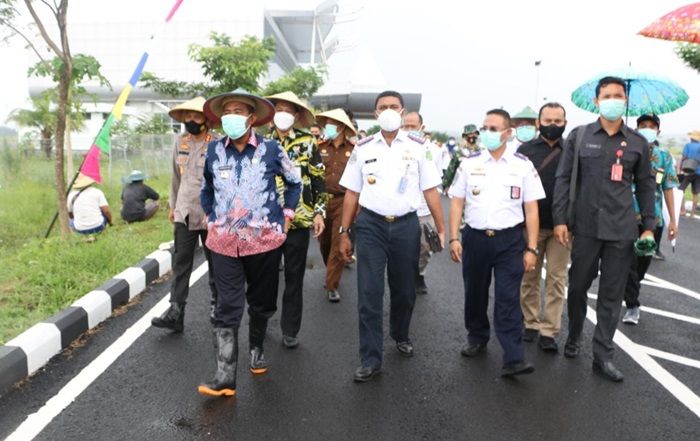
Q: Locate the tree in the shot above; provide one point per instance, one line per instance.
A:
(41, 118)
(227, 65)
(303, 82)
(439, 136)
(374, 129)
(690, 54)
(59, 11)
(156, 124)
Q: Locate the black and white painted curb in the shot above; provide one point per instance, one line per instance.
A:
(31, 350)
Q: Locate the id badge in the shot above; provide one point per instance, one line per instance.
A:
(616, 173)
(429, 155)
(403, 184)
(225, 173)
(515, 192)
(659, 177)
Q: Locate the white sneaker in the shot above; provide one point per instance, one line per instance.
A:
(631, 316)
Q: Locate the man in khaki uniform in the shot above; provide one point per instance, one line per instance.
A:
(335, 150)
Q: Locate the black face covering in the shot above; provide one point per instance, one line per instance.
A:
(472, 139)
(194, 127)
(552, 132)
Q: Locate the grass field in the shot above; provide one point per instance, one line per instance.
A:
(40, 277)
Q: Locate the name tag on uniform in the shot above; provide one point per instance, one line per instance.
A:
(369, 161)
(225, 172)
(515, 192)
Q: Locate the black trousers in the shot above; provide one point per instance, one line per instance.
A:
(253, 278)
(501, 255)
(295, 250)
(640, 265)
(614, 258)
(392, 247)
(183, 259)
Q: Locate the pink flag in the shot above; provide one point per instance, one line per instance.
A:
(91, 165)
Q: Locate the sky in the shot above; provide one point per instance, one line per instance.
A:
(465, 57)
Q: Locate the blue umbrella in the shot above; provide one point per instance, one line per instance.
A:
(647, 93)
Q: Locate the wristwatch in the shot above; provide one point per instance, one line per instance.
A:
(534, 251)
(343, 230)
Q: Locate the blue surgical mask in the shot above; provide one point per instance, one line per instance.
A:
(331, 131)
(612, 109)
(491, 140)
(649, 134)
(416, 133)
(525, 133)
(234, 125)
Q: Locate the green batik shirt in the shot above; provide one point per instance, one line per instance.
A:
(666, 178)
(302, 150)
(452, 167)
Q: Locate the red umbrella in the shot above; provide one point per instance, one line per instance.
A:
(683, 24)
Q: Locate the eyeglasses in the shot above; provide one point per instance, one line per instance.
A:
(490, 129)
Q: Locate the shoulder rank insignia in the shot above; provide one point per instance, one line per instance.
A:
(415, 138)
(521, 156)
(364, 140)
(474, 155)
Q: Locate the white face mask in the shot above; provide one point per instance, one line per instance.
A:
(283, 120)
(389, 120)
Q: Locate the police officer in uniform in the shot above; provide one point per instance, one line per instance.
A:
(495, 185)
(335, 152)
(607, 157)
(385, 175)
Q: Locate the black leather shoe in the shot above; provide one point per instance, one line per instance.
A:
(173, 318)
(529, 335)
(607, 370)
(421, 287)
(290, 342)
(548, 344)
(473, 349)
(405, 348)
(517, 368)
(572, 349)
(364, 374)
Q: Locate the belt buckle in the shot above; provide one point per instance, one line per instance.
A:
(390, 219)
(490, 233)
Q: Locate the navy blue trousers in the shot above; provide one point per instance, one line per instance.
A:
(502, 255)
(392, 247)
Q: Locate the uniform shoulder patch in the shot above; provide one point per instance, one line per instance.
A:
(474, 154)
(417, 139)
(364, 141)
(521, 156)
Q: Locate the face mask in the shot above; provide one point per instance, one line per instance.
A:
(526, 133)
(331, 131)
(389, 120)
(194, 127)
(472, 139)
(552, 132)
(416, 133)
(649, 134)
(234, 125)
(451, 142)
(491, 140)
(283, 120)
(612, 109)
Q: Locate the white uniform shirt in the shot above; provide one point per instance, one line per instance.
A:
(375, 171)
(495, 190)
(86, 209)
(433, 155)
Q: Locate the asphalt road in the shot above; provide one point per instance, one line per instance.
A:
(149, 392)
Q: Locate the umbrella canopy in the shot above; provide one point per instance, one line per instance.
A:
(683, 24)
(646, 93)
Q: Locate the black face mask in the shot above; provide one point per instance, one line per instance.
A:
(194, 127)
(552, 132)
(471, 139)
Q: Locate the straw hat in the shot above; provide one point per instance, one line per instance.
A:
(264, 110)
(337, 115)
(195, 104)
(306, 116)
(695, 134)
(82, 181)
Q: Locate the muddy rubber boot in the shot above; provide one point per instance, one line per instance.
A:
(224, 382)
(173, 318)
(256, 333)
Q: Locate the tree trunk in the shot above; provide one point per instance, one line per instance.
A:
(69, 149)
(63, 86)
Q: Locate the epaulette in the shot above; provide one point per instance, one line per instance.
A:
(474, 154)
(521, 156)
(364, 141)
(417, 139)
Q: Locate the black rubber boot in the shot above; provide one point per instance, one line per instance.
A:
(224, 381)
(212, 309)
(173, 318)
(256, 333)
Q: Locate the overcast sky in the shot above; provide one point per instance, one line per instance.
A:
(465, 57)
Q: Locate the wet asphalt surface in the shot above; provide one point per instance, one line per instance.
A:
(149, 393)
